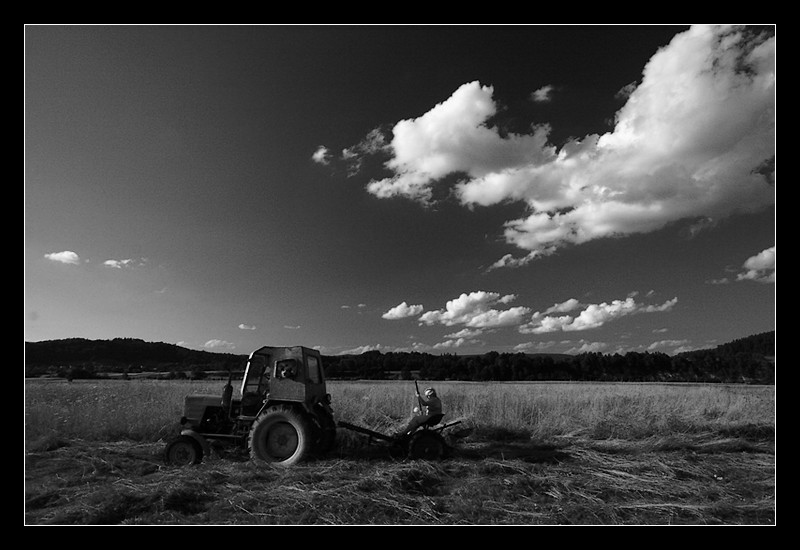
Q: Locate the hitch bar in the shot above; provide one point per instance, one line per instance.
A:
(366, 431)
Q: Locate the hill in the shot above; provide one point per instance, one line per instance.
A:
(120, 355)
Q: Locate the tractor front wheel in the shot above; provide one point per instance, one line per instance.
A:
(280, 436)
(183, 451)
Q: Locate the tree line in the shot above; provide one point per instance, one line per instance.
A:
(747, 360)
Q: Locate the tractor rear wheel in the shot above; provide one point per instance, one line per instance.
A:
(280, 436)
(427, 445)
(183, 451)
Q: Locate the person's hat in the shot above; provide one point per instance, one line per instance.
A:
(431, 391)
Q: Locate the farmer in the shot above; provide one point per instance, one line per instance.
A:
(431, 405)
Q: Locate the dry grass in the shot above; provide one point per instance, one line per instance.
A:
(148, 410)
(538, 454)
(482, 484)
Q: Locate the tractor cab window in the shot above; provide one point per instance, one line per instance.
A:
(313, 370)
(257, 380)
(286, 369)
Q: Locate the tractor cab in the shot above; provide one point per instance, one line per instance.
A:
(291, 374)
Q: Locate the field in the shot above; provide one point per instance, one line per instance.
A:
(528, 454)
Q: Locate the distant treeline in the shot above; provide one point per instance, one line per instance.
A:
(746, 360)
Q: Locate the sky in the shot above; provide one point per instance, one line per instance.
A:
(444, 189)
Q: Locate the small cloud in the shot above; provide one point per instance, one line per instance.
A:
(401, 311)
(119, 264)
(465, 333)
(588, 347)
(291, 327)
(543, 94)
(699, 225)
(508, 298)
(511, 262)
(666, 306)
(531, 347)
(321, 155)
(216, 344)
(681, 344)
(455, 343)
(246, 327)
(373, 143)
(65, 257)
(361, 349)
(563, 307)
(759, 268)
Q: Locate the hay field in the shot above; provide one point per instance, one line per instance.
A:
(539, 453)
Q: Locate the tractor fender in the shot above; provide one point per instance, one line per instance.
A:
(200, 439)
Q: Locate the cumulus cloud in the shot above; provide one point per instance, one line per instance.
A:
(569, 305)
(587, 347)
(477, 310)
(455, 343)
(322, 155)
(759, 268)
(675, 344)
(465, 333)
(361, 349)
(401, 311)
(216, 344)
(451, 138)
(119, 264)
(243, 326)
(65, 257)
(692, 141)
(529, 347)
(591, 317)
(480, 310)
(543, 94)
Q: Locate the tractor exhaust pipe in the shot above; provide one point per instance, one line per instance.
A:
(227, 394)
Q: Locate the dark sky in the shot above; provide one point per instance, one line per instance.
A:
(452, 189)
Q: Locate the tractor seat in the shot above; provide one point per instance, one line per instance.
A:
(432, 421)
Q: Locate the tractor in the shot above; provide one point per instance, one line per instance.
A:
(283, 415)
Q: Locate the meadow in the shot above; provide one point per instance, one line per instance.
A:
(537, 453)
(148, 410)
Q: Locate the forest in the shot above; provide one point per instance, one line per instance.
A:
(748, 360)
